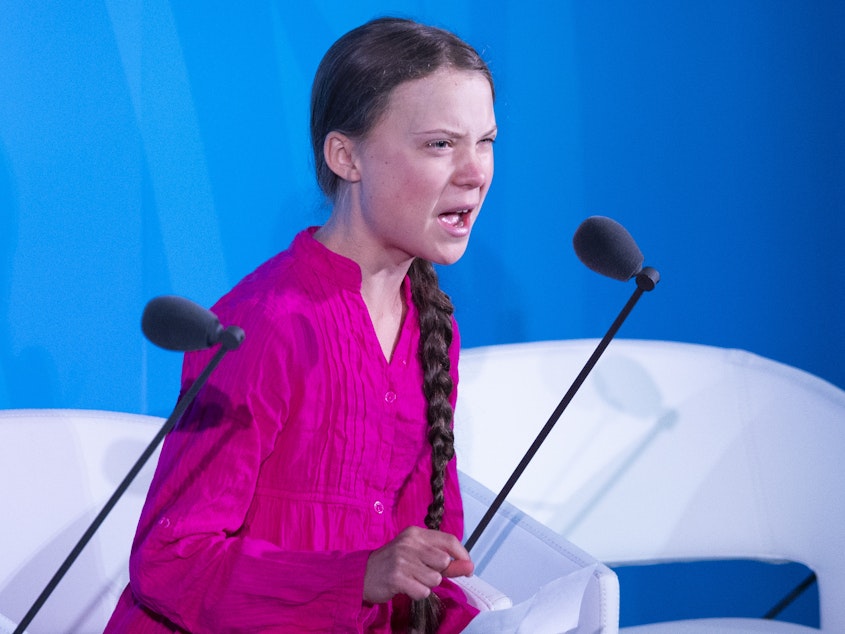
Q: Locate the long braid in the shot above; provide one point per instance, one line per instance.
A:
(435, 313)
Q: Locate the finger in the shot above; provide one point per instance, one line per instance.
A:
(417, 590)
(448, 543)
(435, 558)
(454, 547)
(459, 568)
(429, 578)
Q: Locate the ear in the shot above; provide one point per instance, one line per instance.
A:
(339, 152)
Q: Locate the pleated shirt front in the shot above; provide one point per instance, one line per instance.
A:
(305, 451)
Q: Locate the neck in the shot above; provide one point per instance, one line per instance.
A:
(382, 271)
(381, 279)
(386, 306)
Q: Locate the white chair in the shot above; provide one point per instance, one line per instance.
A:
(668, 452)
(59, 467)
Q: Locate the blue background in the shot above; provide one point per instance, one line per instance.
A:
(151, 147)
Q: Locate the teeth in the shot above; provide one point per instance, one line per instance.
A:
(455, 217)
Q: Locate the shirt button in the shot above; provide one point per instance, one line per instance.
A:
(378, 507)
(390, 397)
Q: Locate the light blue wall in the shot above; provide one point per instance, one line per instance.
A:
(151, 147)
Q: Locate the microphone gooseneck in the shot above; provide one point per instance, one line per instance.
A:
(607, 248)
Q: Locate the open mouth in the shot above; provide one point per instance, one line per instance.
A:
(457, 219)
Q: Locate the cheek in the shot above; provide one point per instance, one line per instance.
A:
(402, 183)
(396, 175)
(420, 187)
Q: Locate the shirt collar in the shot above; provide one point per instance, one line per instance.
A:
(341, 270)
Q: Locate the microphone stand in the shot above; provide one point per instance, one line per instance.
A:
(230, 339)
(647, 279)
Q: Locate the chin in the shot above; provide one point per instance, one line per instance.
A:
(449, 256)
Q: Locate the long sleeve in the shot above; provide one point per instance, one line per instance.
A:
(193, 562)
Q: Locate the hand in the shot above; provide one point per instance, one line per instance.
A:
(413, 563)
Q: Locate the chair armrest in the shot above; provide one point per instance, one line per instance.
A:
(481, 595)
(529, 563)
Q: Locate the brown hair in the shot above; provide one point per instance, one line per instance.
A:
(354, 81)
(351, 91)
(435, 314)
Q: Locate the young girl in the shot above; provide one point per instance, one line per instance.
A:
(312, 486)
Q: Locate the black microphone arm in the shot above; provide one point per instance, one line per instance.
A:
(646, 279)
(229, 338)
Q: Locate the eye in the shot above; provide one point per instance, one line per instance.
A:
(440, 144)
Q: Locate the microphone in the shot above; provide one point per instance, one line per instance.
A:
(605, 247)
(173, 323)
(176, 323)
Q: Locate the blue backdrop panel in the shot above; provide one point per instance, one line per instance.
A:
(149, 147)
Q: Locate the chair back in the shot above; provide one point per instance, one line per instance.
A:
(58, 469)
(669, 451)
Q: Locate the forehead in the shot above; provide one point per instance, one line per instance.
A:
(463, 95)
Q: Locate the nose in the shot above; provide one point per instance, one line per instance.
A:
(474, 169)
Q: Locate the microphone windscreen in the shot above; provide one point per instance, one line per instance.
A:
(176, 323)
(606, 247)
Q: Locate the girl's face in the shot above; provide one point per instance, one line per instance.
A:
(425, 168)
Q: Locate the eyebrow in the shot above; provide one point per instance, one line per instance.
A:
(452, 133)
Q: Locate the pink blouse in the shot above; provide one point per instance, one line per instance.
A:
(305, 451)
